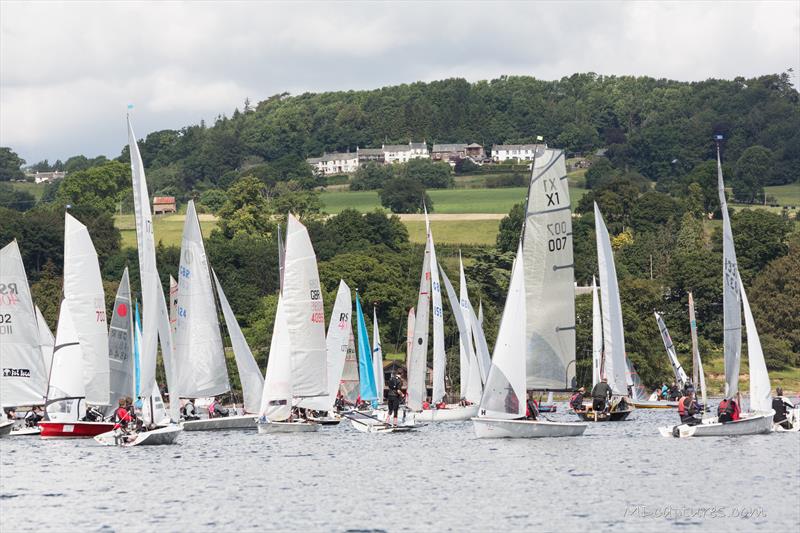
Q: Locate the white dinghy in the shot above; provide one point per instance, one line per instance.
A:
(156, 437)
(297, 367)
(759, 418)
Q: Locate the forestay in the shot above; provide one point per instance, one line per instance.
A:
(305, 314)
(549, 276)
(504, 394)
(680, 375)
(249, 373)
(83, 291)
(120, 346)
(611, 309)
(24, 372)
(200, 358)
(731, 303)
(417, 362)
(760, 388)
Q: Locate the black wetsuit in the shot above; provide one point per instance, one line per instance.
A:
(393, 397)
(779, 405)
(600, 394)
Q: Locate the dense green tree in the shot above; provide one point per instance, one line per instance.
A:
(100, 187)
(510, 229)
(47, 293)
(213, 199)
(753, 169)
(760, 237)
(371, 176)
(405, 195)
(304, 204)
(10, 165)
(16, 199)
(246, 209)
(432, 175)
(654, 210)
(599, 172)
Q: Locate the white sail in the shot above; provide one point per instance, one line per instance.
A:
(417, 364)
(173, 306)
(439, 360)
(549, 276)
(471, 386)
(504, 394)
(166, 336)
(153, 409)
(120, 346)
(46, 342)
(760, 388)
(249, 373)
(67, 387)
(638, 392)
(276, 399)
(697, 365)
(24, 376)
(613, 335)
(83, 291)
(597, 336)
(680, 375)
(482, 356)
(349, 386)
(410, 332)
(731, 302)
(199, 354)
(340, 330)
(463, 348)
(154, 306)
(377, 357)
(305, 314)
(480, 313)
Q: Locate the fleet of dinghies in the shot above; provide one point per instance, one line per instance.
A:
(314, 377)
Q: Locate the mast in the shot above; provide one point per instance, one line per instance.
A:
(698, 375)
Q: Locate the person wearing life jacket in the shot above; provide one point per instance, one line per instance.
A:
(93, 415)
(188, 410)
(782, 407)
(687, 409)
(728, 410)
(531, 408)
(122, 417)
(393, 396)
(576, 400)
(441, 405)
(601, 393)
(426, 405)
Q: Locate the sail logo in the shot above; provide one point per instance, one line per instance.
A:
(16, 373)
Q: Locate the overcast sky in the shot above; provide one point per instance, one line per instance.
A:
(68, 70)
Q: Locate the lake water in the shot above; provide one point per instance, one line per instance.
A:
(618, 476)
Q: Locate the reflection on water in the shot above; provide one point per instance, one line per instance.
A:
(621, 475)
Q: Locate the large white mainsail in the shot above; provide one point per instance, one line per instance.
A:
(377, 357)
(504, 394)
(249, 373)
(83, 291)
(305, 313)
(680, 375)
(613, 335)
(471, 388)
(417, 363)
(276, 399)
(350, 384)
(120, 346)
(439, 360)
(47, 342)
(340, 331)
(199, 353)
(549, 276)
(466, 345)
(698, 376)
(66, 378)
(597, 336)
(760, 388)
(24, 377)
(731, 302)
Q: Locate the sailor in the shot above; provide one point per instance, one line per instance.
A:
(93, 415)
(33, 417)
(601, 393)
(728, 410)
(189, 412)
(781, 406)
(122, 416)
(531, 408)
(393, 397)
(11, 414)
(217, 410)
(576, 401)
(687, 409)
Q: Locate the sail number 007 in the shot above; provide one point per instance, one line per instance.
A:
(559, 232)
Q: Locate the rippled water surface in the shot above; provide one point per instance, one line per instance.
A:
(621, 476)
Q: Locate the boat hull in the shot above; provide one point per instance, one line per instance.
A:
(157, 437)
(223, 423)
(498, 428)
(377, 427)
(617, 415)
(450, 414)
(73, 430)
(794, 419)
(26, 431)
(655, 404)
(5, 428)
(287, 427)
(750, 424)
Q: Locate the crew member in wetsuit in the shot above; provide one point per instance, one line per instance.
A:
(687, 409)
(576, 401)
(33, 417)
(189, 412)
(122, 416)
(93, 415)
(393, 396)
(781, 406)
(601, 393)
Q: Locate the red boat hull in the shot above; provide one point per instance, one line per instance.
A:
(73, 430)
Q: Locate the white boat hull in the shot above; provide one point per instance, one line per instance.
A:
(451, 414)
(222, 423)
(793, 417)
(749, 424)
(26, 431)
(287, 427)
(655, 404)
(156, 437)
(377, 427)
(5, 428)
(497, 428)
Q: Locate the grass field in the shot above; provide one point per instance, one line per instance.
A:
(785, 194)
(168, 228)
(455, 232)
(36, 189)
(714, 369)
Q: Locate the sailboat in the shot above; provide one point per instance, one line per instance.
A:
(535, 352)
(199, 351)
(734, 298)
(613, 366)
(80, 370)
(297, 365)
(698, 376)
(640, 397)
(23, 356)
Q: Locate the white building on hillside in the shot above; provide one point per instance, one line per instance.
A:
(335, 163)
(48, 177)
(403, 153)
(518, 152)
